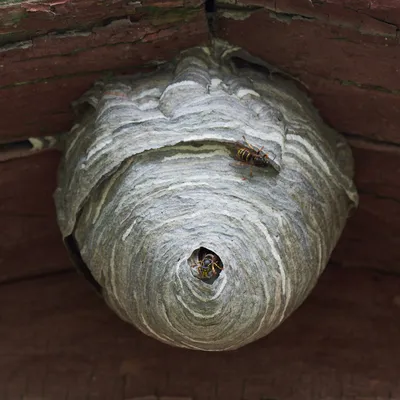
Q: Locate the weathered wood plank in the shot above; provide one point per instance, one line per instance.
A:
(119, 44)
(372, 236)
(41, 76)
(24, 19)
(350, 75)
(366, 16)
(371, 239)
(59, 341)
(366, 112)
(344, 53)
(47, 105)
(30, 240)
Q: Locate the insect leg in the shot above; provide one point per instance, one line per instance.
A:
(248, 144)
(239, 164)
(255, 149)
(216, 265)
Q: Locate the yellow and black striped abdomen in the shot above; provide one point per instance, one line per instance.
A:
(245, 155)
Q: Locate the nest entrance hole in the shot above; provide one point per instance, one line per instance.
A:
(206, 265)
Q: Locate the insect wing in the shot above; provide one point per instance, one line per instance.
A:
(274, 165)
(240, 144)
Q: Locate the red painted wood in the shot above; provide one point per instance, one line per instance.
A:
(352, 76)
(59, 341)
(30, 240)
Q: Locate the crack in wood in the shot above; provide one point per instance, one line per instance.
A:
(34, 277)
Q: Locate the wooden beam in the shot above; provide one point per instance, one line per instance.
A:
(371, 237)
(30, 239)
(344, 58)
(23, 19)
(54, 51)
(59, 341)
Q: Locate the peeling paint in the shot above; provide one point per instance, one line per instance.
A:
(16, 46)
(156, 15)
(162, 16)
(5, 3)
(376, 88)
(227, 2)
(14, 17)
(230, 9)
(105, 74)
(288, 18)
(236, 15)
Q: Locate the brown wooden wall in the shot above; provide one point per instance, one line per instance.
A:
(59, 341)
(346, 54)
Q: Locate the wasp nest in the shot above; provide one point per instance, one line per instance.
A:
(192, 246)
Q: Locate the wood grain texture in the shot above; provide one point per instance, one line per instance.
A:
(365, 112)
(350, 75)
(42, 75)
(21, 19)
(30, 241)
(59, 342)
(371, 238)
(52, 114)
(376, 17)
(121, 43)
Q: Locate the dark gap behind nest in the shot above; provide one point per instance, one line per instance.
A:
(76, 258)
(17, 149)
(211, 9)
(210, 6)
(18, 145)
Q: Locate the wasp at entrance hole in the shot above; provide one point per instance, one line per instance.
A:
(208, 267)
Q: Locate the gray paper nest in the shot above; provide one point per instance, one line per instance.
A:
(148, 180)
